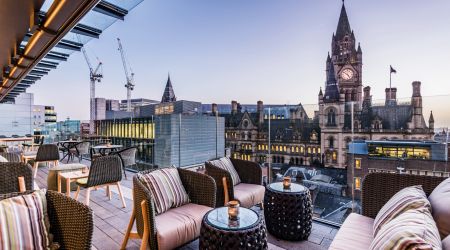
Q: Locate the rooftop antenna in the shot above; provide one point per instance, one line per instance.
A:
(129, 76)
(95, 75)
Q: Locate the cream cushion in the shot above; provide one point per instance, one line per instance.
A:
(249, 195)
(354, 234)
(440, 207)
(226, 164)
(446, 243)
(408, 198)
(3, 159)
(180, 225)
(412, 229)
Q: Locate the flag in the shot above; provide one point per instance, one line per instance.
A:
(393, 70)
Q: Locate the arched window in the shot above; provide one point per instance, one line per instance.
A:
(331, 142)
(331, 121)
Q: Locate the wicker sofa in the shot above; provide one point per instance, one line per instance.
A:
(71, 222)
(161, 231)
(377, 189)
(249, 192)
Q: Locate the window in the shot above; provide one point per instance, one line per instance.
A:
(357, 183)
(309, 150)
(358, 163)
(334, 156)
(318, 150)
(331, 121)
(331, 142)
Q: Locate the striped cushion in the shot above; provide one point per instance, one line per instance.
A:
(22, 222)
(226, 164)
(166, 188)
(408, 198)
(413, 229)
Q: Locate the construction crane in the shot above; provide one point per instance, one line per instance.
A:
(129, 76)
(95, 75)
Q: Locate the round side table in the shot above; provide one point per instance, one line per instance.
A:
(218, 232)
(288, 212)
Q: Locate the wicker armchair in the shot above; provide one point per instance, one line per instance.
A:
(104, 171)
(71, 222)
(46, 153)
(9, 176)
(200, 188)
(127, 156)
(11, 157)
(249, 173)
(79, 150)
(378, 188)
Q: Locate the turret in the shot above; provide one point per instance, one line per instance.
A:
(431, 122)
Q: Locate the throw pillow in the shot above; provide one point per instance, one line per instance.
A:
(226, 164)
(446, 243)
(413, 229)
(23, 223)
(440, 207)
(3, 159)
(408, 198)
(166, 188)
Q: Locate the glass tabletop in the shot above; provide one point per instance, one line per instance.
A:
(295, 188)
(107, 146)
(219, 218)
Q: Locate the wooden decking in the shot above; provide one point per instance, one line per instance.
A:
(111, 221)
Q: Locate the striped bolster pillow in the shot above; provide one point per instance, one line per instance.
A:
(22, 222)
(166, 188)
(413, 229)
(226, 164)
(408, 198)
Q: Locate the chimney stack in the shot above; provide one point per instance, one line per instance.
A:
(391, 96)
(214, 108)
(260, 110)
(416, 88)
(234, 106)
(416, 101)
(367, 93)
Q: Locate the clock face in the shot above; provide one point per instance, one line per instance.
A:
(347, 74)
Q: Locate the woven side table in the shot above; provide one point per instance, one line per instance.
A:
(217, 232)
(288, 212)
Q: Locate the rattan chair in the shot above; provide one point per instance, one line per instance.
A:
(378, 188)
(127, 156)
(200, 188)
(47, 153)
(104, 172)
(71, 222)
(249, 173)
(79, 150)
(9, 177)
(11, 157)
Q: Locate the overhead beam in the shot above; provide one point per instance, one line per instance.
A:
(111, 10)
(86, 30)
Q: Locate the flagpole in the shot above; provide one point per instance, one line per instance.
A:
(390, 83)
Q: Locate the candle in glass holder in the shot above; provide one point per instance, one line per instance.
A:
(287, 182)
(233, 210)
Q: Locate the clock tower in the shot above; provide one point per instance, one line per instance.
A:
(347, 60)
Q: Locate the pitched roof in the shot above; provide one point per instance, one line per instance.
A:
(168, 95)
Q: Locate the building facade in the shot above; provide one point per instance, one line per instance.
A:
(395, 156)
(346, 111)
(293, 140)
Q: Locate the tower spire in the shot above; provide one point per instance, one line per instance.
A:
(169, 94)
(343, 27)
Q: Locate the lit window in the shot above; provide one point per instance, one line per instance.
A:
(309, 150)
(314, 150)
(357, 183)
(318, 150)
(296, 149)
(334, 156)
(259, 147)
(284, 149)
(301, 149)
(358, 163)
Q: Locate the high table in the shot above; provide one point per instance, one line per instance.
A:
(288, 212)
(218, 232)
(107, 147)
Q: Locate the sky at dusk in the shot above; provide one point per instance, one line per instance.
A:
(269, 50)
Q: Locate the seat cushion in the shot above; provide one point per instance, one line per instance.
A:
(166, 188)
(408, 198)
(226, 164)
(440, 207)
(412, 229)
(249, 194)
(180, 225)
(3, 159)
(24, 223)
(446, 243)
(355, 234)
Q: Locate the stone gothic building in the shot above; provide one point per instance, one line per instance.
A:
(344, 95)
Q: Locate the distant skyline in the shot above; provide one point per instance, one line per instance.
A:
(267, 50)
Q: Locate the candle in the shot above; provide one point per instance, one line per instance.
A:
(287, 182)
(233, 210)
